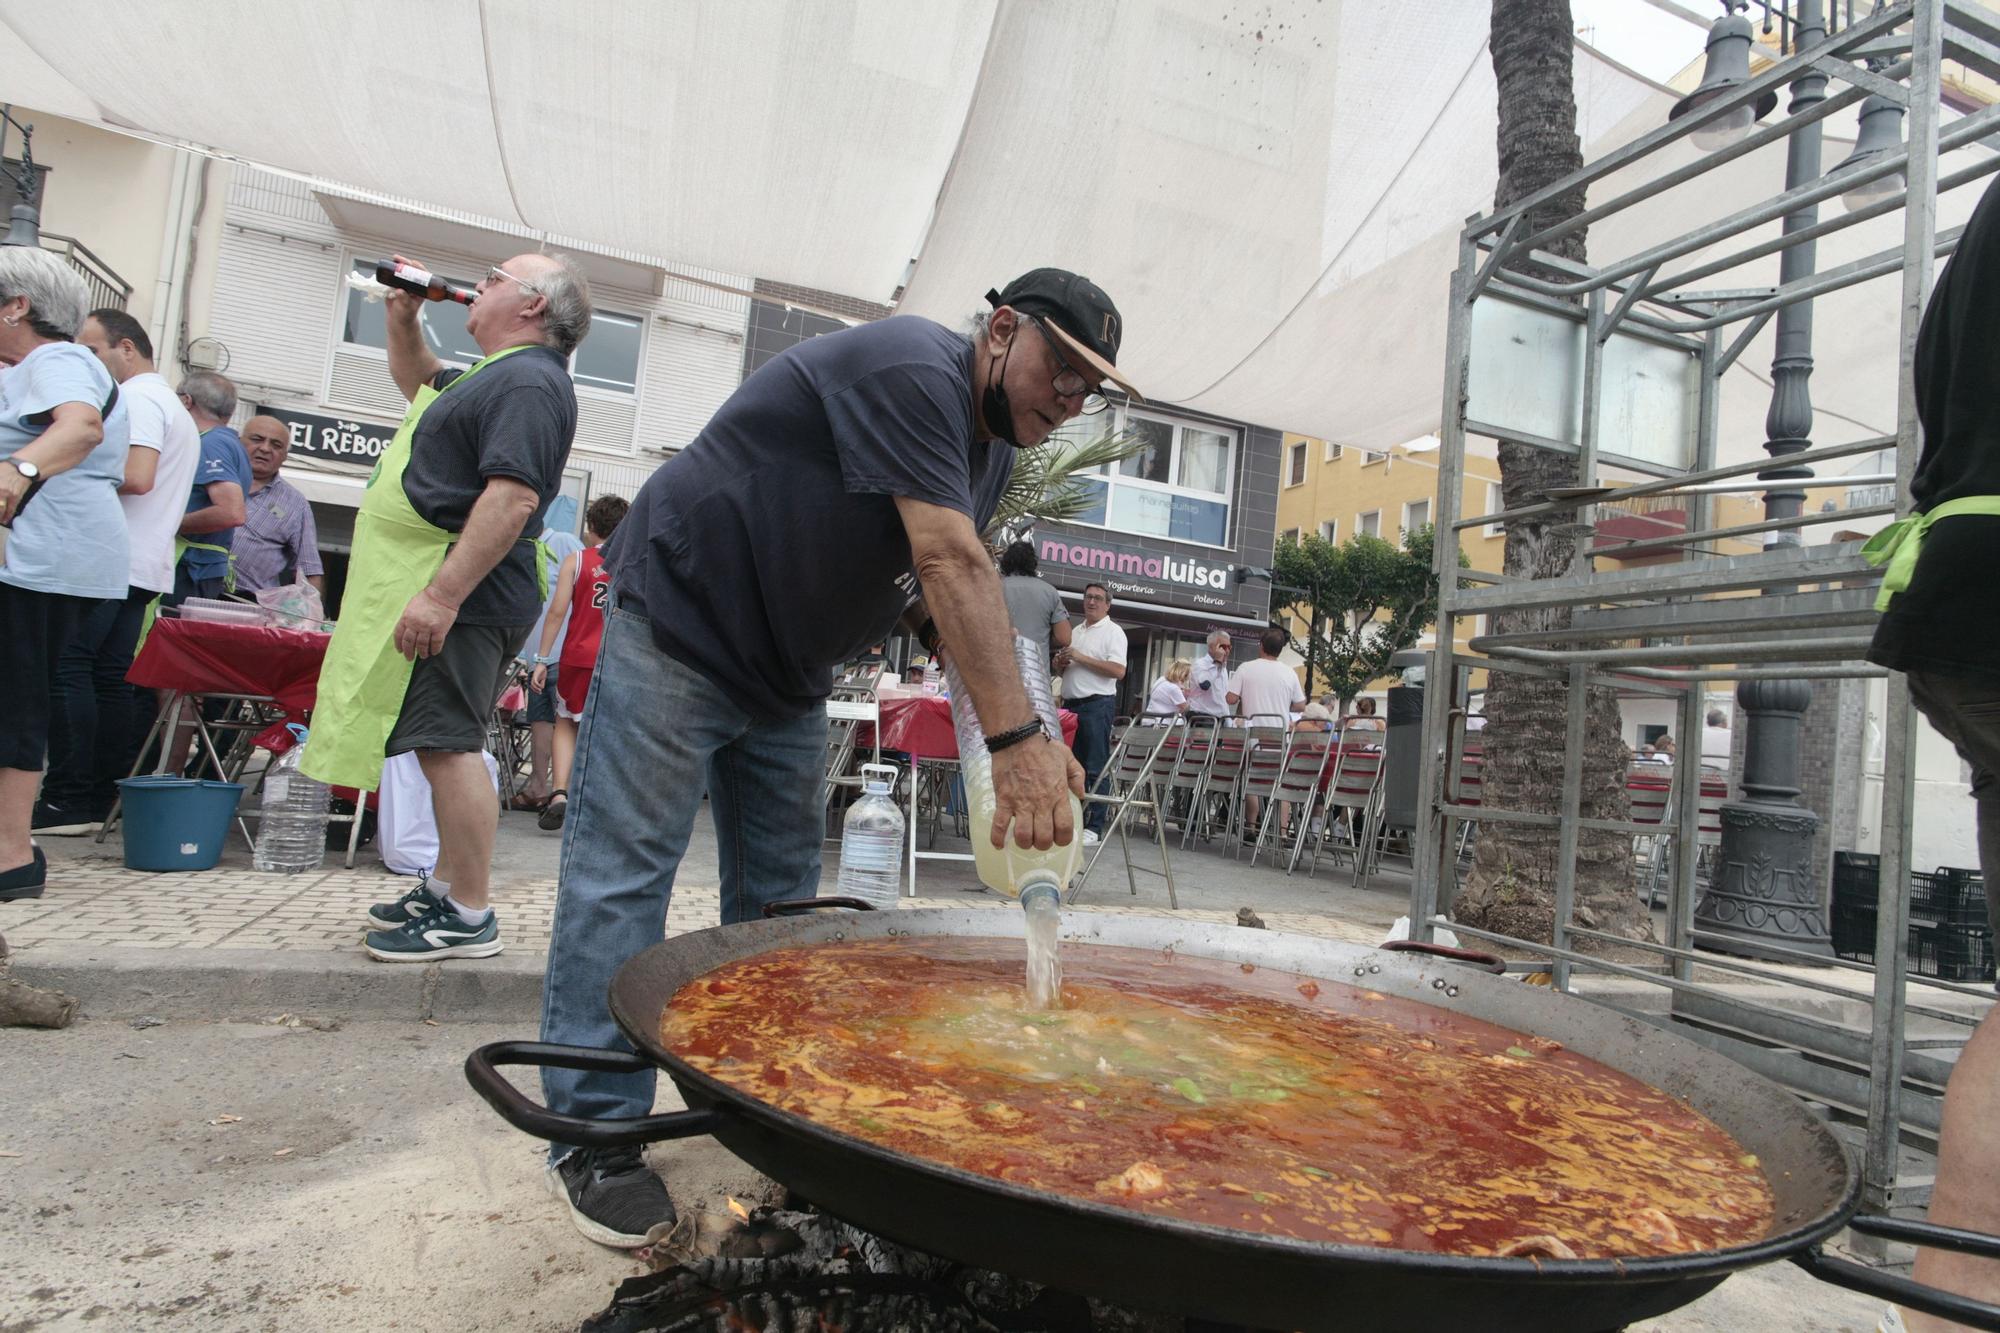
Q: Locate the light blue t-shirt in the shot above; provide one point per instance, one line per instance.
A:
(222, 459)
(562, 545)
(71, 537)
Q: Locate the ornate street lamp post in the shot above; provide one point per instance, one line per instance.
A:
(1765, 889)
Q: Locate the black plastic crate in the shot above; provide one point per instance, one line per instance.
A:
(1949, 895)
(1854, 930)
(1856, 877)
(1951, 952)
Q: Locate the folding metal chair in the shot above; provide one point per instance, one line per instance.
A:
(1471, 775)
(1306, 759)
(1216, 796)
(1134, 780)
(1261, 767)
(1352, 789)
(1650, 789)
(1184, 783)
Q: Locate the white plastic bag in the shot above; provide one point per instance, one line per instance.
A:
(1401, 931)
(293, 606)
(405, 826)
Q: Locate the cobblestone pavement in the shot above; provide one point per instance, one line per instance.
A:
(93, 901)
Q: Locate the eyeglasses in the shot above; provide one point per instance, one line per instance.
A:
(498, 274)
(1068, 383)
(1095, 597)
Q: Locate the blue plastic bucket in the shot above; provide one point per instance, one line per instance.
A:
(175, 823)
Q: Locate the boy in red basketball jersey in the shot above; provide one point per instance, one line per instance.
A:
(582, 589)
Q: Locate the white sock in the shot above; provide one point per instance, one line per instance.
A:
(440, 889)
(471, 916)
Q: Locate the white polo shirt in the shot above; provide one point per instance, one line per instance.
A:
(1103, 641)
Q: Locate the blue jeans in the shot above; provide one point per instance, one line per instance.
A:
(653, 734)
(1094, 713)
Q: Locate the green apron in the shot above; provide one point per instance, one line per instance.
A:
(1898, 545)
(396, 554)
(181, 547)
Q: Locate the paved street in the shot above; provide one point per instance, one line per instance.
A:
(93, 903)
(360, 1154)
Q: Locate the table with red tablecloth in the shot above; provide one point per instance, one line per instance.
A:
(191, 661)
(920, 726)
(207, 657)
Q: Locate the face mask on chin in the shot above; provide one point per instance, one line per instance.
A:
(994, 408)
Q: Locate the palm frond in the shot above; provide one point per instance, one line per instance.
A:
(1050, 484)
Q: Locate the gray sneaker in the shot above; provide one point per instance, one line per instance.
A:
(439, 934)
(419, 901)
(613, 1196)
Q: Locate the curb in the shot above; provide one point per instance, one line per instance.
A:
(255, 984)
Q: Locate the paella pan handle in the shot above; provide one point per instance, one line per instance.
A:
(1491, 962)
(794, 906)
(1901, 1290)
(482, 1071)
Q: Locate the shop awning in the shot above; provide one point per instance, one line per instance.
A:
(1193, 616)
(1270, 190)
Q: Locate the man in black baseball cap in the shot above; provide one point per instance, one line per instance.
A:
(1085, 324)
(845, 485)
(1080, 329)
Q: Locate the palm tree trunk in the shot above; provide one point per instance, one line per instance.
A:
(1512, 884)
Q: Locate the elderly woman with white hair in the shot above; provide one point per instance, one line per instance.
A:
(60, 470)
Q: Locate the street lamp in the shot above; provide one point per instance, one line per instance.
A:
(1881, 135)
(23, 224)
(1766, 889)
(1728, 67)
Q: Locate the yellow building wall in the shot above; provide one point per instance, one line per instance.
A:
(1340, 484)
(1342, 488)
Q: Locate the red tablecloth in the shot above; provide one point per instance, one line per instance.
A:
(203, 657)
(921, 726)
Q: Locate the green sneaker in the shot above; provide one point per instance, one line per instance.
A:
(438, 934)
(419, 901)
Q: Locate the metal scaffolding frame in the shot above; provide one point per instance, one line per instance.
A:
(1818, 603)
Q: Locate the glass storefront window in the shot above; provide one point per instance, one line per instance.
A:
(1151, 463)
(1176, 486)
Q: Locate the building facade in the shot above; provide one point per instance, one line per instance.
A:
(1172, 532)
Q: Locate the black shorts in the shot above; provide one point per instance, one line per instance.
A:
(452, 694)
(34, 627)
(542, 702)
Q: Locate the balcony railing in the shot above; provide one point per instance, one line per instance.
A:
(106, 287)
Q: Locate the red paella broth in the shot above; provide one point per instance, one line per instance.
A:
(1224, 1094)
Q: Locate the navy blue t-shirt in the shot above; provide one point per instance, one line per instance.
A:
(769, 550)
(222, 459)
(1948, 619)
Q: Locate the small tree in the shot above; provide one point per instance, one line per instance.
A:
(1340, 591)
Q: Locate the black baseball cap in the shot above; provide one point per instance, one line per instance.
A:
(1078, 315)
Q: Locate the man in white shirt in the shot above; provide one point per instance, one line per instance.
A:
(91, 742)
(1268, 692)
(1211, 688)
(1092, 666)
(1715, 740)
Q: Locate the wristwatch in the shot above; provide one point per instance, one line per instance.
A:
(24, 467)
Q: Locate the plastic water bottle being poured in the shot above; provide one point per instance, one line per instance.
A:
(1037, 878)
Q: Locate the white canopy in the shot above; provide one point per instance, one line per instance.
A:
(1270, 190)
